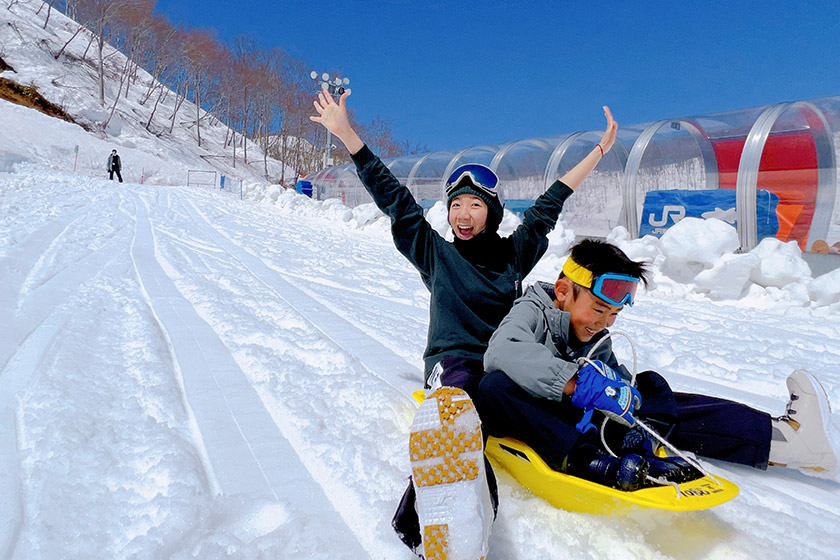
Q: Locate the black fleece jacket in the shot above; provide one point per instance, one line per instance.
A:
(473, 283)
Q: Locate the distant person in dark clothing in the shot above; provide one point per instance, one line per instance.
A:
(114, 166)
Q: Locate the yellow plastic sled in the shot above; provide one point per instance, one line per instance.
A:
(576, 494)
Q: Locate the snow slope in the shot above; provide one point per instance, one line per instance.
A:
(185, 375)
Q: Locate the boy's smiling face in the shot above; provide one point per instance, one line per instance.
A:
(588, 315)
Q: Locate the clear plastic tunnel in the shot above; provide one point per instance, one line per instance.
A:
(596, 206)
(401, 167)
(684, 167)
(797, 165)
(771, 171)
(427, 177)
(521, 167)
(325, 183)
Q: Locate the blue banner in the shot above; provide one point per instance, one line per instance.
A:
(662, 209)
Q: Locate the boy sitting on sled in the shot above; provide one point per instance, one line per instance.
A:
(539, 391)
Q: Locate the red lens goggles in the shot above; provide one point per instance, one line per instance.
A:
(615, 289)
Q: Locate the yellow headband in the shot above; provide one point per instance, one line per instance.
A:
(578, 274)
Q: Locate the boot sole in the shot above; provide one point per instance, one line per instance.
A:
(447, 465)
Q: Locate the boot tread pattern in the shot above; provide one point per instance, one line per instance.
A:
(436, 453)
(445, 449)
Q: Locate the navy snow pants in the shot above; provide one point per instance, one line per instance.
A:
(707, 426)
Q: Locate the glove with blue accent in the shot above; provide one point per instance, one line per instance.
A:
(599, 387)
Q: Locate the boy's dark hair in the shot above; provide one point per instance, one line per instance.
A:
(600, 257)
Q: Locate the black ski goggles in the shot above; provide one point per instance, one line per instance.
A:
(482, 178)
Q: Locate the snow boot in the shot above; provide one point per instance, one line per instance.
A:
(672, 469)
(450, 480)
(638, 441)
(802, 439)
(627, 473)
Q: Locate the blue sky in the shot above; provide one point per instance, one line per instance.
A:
(455, 74)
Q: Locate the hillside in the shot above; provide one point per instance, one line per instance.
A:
(69, 85)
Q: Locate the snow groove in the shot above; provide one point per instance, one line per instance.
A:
(374, 356)
(27, 333)
(247, 452)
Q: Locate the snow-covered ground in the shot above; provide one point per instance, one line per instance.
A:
(187, 375)
(184, 374)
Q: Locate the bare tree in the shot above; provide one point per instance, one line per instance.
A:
(298, 135)
(159, 54)
(98, 16)
(180, 74)
(292, 100)
(378, 136)
(49, 6)
(162, 57)
(132, 32)
(202, 52)
(265, 110)
(132, 28)
(229, 101)
(245, 61)
(61, 51)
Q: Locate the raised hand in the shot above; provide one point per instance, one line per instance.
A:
(334, 118)
(608, 139)
(331, 114)
(575, 176)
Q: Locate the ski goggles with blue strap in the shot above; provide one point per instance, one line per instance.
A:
(615, 289)
(482, 177)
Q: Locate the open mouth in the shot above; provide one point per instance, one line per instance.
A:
(465, 231)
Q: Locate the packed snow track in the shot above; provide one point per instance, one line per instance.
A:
(187, 375)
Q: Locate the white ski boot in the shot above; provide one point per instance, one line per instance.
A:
(447, 464)
(802, 439)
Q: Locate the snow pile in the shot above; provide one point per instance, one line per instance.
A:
(700, 255)
(694, 256)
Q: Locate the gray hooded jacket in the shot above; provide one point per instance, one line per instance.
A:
(532, 345)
